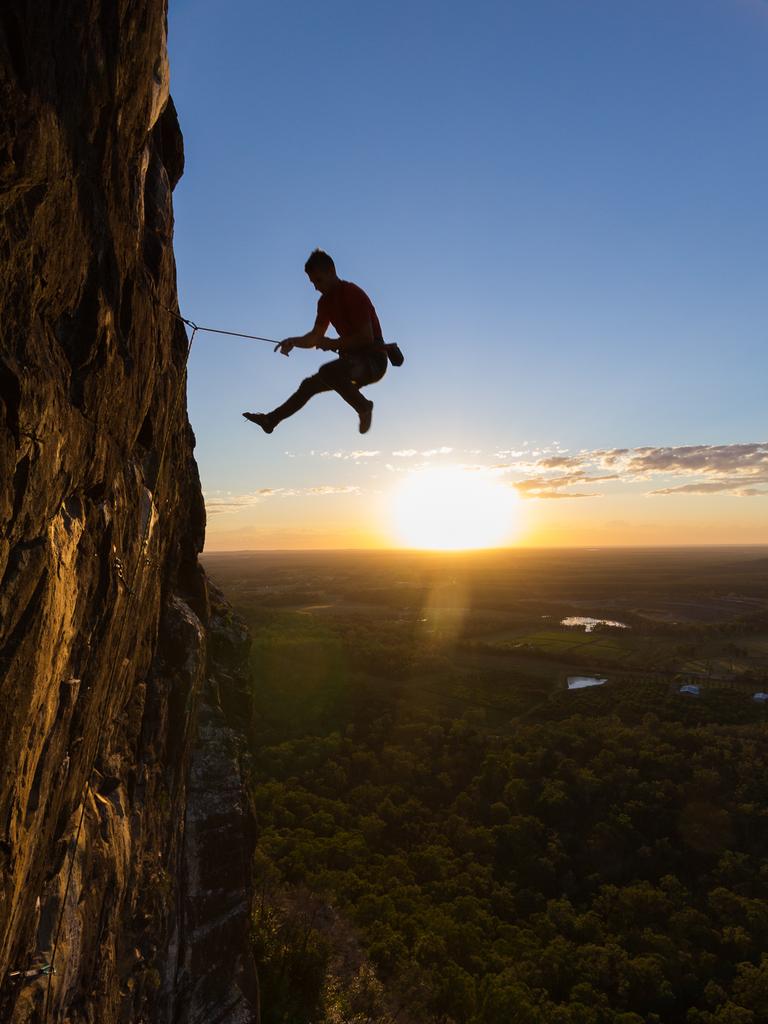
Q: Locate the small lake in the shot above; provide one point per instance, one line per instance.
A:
(581, 682)
(590, 623)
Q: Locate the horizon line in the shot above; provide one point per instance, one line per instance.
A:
(476, 551)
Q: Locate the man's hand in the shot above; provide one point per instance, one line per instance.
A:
(285, 347)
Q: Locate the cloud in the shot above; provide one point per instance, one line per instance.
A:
(410, 453)
(222, 504)
(739, 469)
(722, 459)
(544, 493)
(402, 453)
(698, 469)
(553, 488)
(710, 469)
(557, 462)
(330, 489)
(545, 486)
(358, 453)
(736, 487)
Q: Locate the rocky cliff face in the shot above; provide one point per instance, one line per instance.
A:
(105, 646)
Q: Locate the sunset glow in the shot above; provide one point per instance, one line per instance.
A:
(573, 272)
(454, 509)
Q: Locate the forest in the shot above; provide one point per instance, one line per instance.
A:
(448, 834)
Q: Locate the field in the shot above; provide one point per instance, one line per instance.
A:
(491, 621)
(449, 835)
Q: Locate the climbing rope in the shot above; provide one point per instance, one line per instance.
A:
(217, 330)
(394, 354)
(132, 590)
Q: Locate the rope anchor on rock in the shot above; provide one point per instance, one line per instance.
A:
(33, 972)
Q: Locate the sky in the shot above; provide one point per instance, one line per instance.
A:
(558, 209)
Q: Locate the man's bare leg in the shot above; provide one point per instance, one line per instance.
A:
(363, 406)
(309, 387)
(330, 377)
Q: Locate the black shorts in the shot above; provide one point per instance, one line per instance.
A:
(363, 367)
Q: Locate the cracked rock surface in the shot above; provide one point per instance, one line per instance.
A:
(105, 615)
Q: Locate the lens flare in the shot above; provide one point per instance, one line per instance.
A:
(454, 509)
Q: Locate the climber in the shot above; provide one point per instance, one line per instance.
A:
(362, 352)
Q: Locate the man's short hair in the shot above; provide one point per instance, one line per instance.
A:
(319, 260)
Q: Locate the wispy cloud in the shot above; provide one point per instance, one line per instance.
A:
(712, 460)
(557, 487)
(736, 487)
(344, 456)
(401, 453)
(429, 453)
(550, 471)
(733, 469)
(330, 489)
(675, 459)
(219, 503)
(545, 492)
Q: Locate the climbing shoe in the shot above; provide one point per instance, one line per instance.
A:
(365, 419)
(263, 420)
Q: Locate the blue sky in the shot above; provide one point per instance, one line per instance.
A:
(558, 209)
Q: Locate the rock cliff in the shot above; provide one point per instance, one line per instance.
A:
(110, 642)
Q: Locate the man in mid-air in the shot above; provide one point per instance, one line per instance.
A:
(362, 354)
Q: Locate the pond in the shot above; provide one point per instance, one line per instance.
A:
(589, 623)
(581, 682)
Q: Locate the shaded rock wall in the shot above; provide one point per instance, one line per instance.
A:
(218, 841)
(103, 608)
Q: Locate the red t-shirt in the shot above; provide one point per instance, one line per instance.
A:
(349, 309)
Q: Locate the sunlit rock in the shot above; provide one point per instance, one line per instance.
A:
(104, 614)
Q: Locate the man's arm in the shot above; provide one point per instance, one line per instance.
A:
(361, 336)
(312, 339)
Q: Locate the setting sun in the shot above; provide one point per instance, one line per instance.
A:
(454, 509)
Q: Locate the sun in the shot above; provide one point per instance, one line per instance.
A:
(454, 509)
